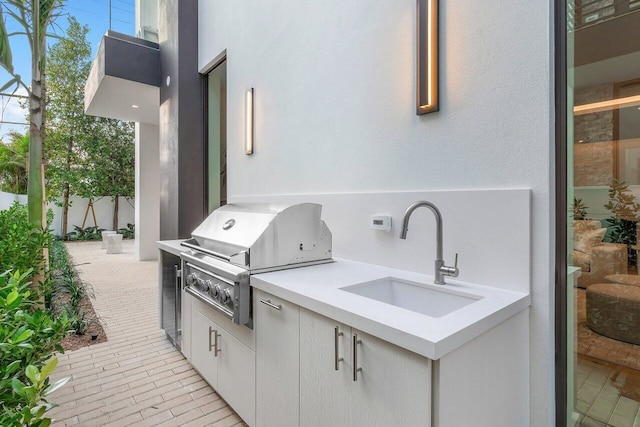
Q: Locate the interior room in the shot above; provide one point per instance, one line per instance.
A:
(604, 191)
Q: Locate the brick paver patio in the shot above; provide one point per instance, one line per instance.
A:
(136, 377)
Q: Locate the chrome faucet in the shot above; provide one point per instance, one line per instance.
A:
(441, 270)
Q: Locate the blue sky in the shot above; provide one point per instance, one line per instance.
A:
(94, 13)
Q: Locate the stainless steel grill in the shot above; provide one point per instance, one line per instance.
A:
(238, 240)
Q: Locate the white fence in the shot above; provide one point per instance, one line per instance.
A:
(103, 209)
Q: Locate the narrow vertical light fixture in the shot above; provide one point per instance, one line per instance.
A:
(427, 57)
(248, 122)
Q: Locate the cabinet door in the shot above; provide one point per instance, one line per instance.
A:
(324, 391)
(237, 375)
(277, 366)
(393, 386)
(202, 340)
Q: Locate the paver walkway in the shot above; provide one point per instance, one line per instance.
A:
(137, 377)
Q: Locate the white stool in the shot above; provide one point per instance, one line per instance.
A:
(114, 243)
(104, 237)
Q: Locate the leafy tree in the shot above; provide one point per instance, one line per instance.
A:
(13, 164)
(113, 174)
(69, 129)
(34, 18)
(88, 156)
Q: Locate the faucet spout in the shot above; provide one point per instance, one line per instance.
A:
(440, 269)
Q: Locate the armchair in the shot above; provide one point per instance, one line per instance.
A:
(596, 258)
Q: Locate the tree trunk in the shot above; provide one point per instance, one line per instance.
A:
(65, 209)
(67, 190)
(116, 206)
(35, 185)
(35, 193)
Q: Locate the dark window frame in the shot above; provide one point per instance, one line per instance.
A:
(561, 212)
(204, 79)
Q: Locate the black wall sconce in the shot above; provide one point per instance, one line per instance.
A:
(427, 57)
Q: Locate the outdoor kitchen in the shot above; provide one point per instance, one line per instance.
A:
(288, 334)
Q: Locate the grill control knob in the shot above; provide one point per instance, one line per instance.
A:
(206, 286)
(191, 279)
(215, 291)
(227, 295)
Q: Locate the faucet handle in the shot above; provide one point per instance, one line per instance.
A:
(451, 271)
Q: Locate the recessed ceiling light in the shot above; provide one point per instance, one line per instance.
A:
(134, 106)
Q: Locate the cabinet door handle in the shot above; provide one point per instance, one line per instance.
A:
(214, 345)
(176, 312)
(270, 304)
(337, 357)
(356, 342)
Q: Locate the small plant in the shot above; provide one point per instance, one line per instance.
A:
(28, 338)
(33, 393)
(66, 282)
(78, 321)
(624, 216)
(84, 234)
(129, 232)
(20, 244)
(579, 210)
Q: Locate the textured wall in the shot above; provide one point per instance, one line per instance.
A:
(594, 127)
(334, 112)
(593, 163)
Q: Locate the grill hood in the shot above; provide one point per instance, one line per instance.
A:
(263, 237)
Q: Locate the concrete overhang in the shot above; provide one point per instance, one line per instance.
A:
(124, 82)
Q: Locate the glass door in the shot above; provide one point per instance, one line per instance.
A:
(217, 137)
(601, 298)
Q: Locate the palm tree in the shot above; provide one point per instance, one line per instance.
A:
(13, 163)
(34, 16)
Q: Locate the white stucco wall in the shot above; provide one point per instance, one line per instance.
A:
(147, 192)
(103, 209)
(334, 113)
(104, 214)
(7, 199)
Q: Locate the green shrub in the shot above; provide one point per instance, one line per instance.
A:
(28, 338)
(129, 232)
(83, 234)
(20, 244)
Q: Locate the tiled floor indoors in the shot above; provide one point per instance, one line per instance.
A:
(136, 377)
(608, 395)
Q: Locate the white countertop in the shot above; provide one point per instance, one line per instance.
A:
(317, 289)
(171, 246)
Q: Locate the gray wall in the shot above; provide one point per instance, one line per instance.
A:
(182, 162)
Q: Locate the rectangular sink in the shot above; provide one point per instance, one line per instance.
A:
(425, 299)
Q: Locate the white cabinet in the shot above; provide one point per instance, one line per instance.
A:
(225, 363)
(325, 391)
(203, 356)
(376, 383)
(394, 386)
(277, 324)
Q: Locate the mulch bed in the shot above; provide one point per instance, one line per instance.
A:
(74, 341)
